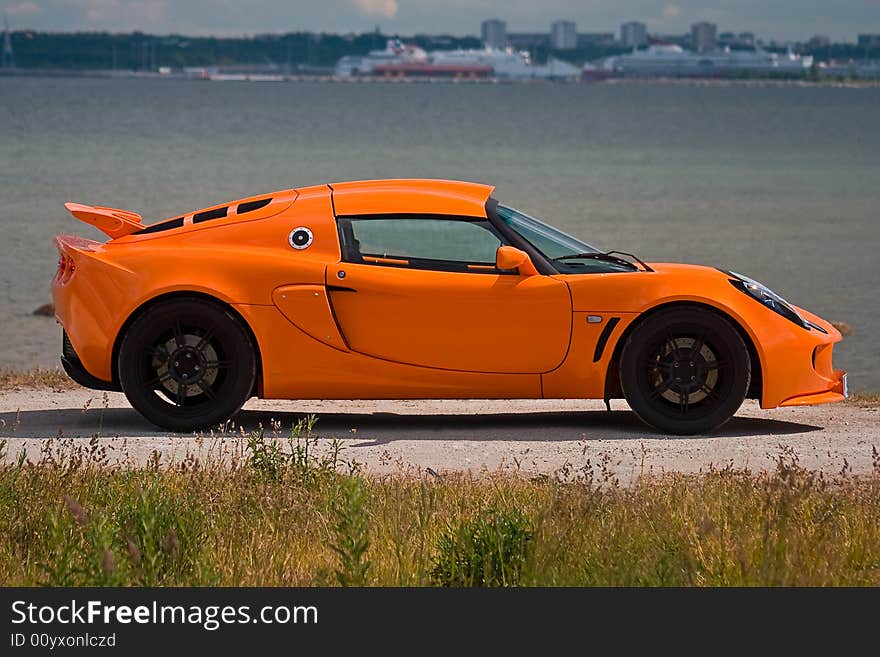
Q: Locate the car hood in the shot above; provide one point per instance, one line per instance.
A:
(634, 292)
(677, 268)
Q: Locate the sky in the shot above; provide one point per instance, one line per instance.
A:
(781, 20)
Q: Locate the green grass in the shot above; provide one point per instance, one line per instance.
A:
(282, 513)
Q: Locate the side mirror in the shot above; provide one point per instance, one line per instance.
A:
(510, 257)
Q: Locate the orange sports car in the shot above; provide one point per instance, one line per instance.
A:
(414, 289)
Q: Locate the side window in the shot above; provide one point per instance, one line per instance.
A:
(439, 244)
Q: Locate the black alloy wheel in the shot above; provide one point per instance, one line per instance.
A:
(187, 364)
(685, 370)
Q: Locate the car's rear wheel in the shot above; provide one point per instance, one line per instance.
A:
(685, 370)
(187, 364)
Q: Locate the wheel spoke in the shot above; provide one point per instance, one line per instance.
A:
(206, 389)
(156, 381)
(205, 340)
(684, 400)
(159, 352)
(671, 340)
(715, 364)
(218, 364)
(711, 393)
(179, 337)
(180, 397)
(659, 390)
(697, 345)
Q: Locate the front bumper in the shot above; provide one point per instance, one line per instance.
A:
(838, 392)
(797, 365)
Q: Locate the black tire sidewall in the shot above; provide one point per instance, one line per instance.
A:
(226, 329)
(727, 339)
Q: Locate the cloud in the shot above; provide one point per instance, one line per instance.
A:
(386, 8)
(671, 11)
(146, 12)
(23, 9)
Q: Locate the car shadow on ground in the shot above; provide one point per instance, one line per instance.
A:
(370, 429)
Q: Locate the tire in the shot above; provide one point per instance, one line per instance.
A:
(685, 370)
(187, 364)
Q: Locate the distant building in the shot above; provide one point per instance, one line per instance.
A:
(633, 34)
(563, 35)
(747, 38)
(869, 41)
(493, 32)
(703, 37)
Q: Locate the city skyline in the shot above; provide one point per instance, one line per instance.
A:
(788, 20)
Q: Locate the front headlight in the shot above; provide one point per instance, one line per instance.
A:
(769, 298)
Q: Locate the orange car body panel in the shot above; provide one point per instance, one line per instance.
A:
(296, 366)
(308, 308)
(785, 350)
(411, 197)
(405, 333)
(419, 318)
(110, 221)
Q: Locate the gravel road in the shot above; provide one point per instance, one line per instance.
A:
(531, 436)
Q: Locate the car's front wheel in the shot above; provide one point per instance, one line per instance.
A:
(187, 364)
(685, 370)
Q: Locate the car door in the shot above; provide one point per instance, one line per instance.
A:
(424, 290)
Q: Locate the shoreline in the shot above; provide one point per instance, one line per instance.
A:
(332, 79)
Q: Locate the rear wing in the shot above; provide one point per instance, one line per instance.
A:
(111, 221)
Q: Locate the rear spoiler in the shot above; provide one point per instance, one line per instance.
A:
(111, 221)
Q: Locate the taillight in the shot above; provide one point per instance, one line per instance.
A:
(66, 268)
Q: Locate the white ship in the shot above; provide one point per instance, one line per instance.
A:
(394, 52)
(673, 60)
(866, 69)
(398, 59)
(508, 63)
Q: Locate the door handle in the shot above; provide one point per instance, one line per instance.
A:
(340, 288)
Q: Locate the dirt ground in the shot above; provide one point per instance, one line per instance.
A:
(533, 437)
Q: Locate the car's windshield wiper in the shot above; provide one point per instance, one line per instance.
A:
(604, 255)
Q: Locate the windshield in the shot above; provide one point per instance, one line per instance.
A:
(554, 244)
(548, 240)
